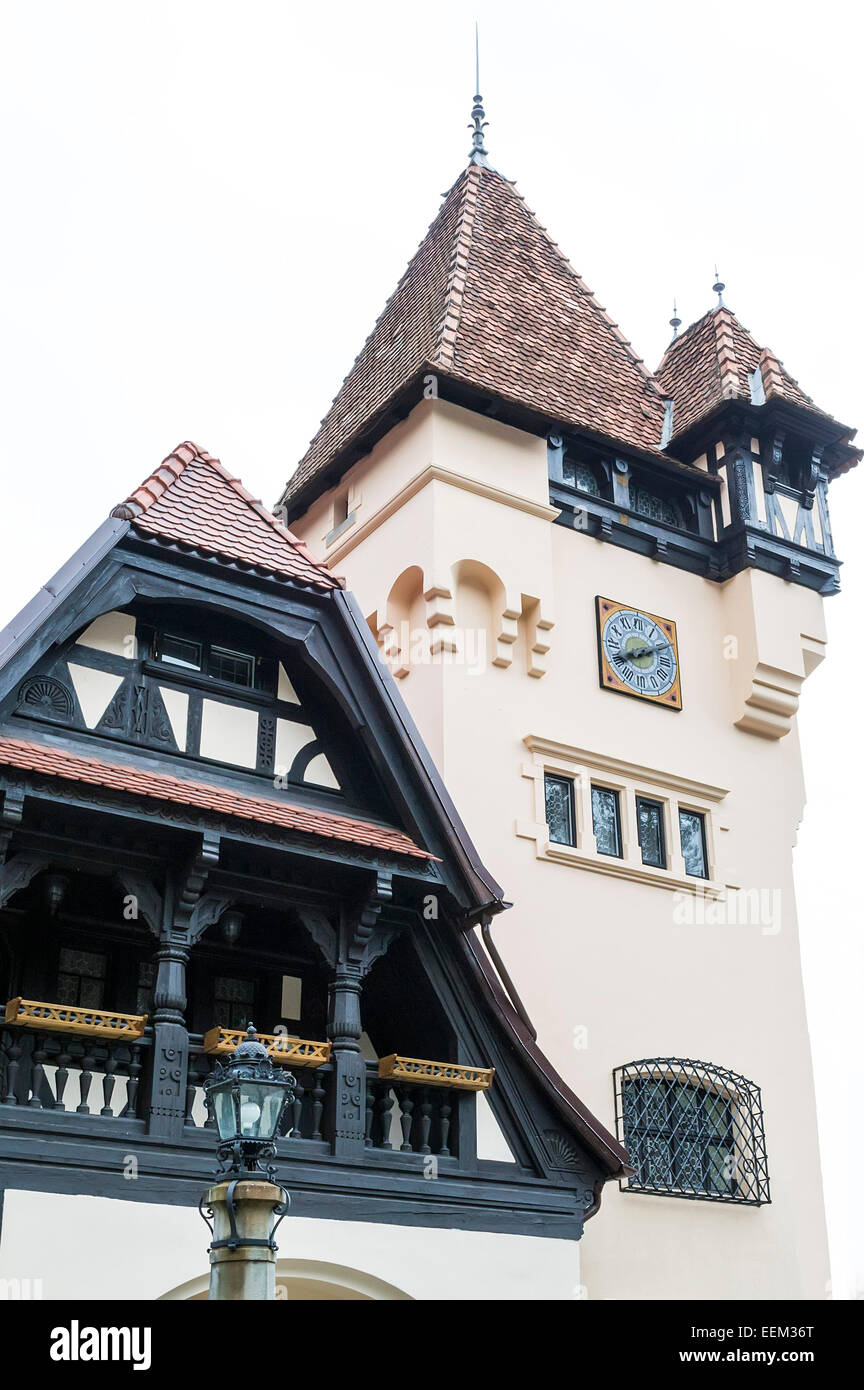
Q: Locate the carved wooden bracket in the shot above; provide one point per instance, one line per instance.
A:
(16, 873)
(149, 901)
(192, 881)
(361, 939)
(208, 909)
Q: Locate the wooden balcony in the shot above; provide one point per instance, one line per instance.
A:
(94, 1062)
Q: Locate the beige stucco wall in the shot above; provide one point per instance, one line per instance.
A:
(140, 1250)
(604, 967)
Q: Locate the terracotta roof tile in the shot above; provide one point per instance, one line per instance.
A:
(192, 499)
(489, 300)
(74, 767)
(712, 361)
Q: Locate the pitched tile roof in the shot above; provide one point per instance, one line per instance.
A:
(490, 301)
(711, 362)
(74, 767)
(192, 499)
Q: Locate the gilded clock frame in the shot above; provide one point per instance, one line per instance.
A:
(671, 698)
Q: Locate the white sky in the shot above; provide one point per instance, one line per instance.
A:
(206, 205)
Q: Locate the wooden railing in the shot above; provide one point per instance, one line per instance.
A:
(61, 1070)
(64, 1018)
(94, 1062)
(290, 1051)
(304, 1118)
(450, 1074)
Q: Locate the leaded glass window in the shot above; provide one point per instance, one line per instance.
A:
(581, 476)
(692, 1130)
(649, 819)
(606, 816)
(559, 810)
(655, 508)
(693, 843)
(233, 1001)
(81, 978)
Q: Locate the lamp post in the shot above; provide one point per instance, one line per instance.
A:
(247, 1097)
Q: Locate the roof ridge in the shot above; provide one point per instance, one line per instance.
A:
(173, 467)
(399, 284)
(586, 290)
(674, 346)
(448, 328)
(730, 385)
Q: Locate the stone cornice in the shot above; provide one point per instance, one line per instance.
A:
(434, 473)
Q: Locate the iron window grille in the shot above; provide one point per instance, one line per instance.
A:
(692, 1130)
(560, 815)
(606, 817)
(652, 841)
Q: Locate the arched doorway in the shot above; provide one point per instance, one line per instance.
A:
(307, 1281)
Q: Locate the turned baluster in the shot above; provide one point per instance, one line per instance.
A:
(425, 1117)
(109, 1081)
(371, 1087)
(37, 1076)
(317, 1105)
(194, 1075)
(444, 1112)
(86, 1078)
(383, 1107)
(13, 1055)
(210, 1122)
(61, 1076)
(134, 1071)
(406, 1105)
(295, 1132)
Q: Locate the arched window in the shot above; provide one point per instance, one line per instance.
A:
(692, 1130)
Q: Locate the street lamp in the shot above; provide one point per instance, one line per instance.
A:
(247, 1098)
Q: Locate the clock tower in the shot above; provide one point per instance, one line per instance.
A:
(522, 507)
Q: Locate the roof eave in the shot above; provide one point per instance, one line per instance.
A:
(775, 410)
(470, 395)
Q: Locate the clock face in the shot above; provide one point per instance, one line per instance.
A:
(638, 653)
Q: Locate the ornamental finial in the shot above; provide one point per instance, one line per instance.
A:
(478, 115)
(674, 322)
(718, 287)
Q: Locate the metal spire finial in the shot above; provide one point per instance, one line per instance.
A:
(478, 121)
(718, 287)
(674, 322)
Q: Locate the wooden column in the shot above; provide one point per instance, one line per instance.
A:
(350, 950)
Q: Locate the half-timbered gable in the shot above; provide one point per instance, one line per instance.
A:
(215, 808)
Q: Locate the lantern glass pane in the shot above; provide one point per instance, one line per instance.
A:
(226, 1115)
(260, 1107)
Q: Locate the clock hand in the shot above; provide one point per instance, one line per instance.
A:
(636, 652)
